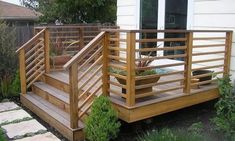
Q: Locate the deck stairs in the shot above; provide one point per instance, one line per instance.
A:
(61, 98)
(49, 99)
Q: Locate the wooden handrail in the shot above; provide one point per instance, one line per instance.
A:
(83, 51)
(30, 41)
(74, 26)
(165, 31)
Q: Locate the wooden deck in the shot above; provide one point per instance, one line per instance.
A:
(63, 98)
(168, 101)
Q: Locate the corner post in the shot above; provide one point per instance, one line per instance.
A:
(73, 98)
(228, 50)
(22, 71)
(188, 65)
(47, 50)
(105, 53)
(130, 62)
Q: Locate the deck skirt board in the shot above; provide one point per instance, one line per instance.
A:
(163, 106)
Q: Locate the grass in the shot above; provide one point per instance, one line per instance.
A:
(170, 135)
(2, 136)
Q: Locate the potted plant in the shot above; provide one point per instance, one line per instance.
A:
(58, 55)
(205, 78)
(142, 63)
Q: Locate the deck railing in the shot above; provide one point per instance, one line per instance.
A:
(34, 59)
(174, 54)
(68, 40)
(112, 63)
(85, 78)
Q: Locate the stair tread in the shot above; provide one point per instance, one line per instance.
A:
(50, 109)
(53, 91)
(60, 75)
(63, 76)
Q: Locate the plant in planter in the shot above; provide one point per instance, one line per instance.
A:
(58, 56)
(205, 78)
(139, 64)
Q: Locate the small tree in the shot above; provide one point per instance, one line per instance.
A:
(102, 124)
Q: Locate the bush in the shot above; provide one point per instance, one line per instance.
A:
(102, 124)
(15, 84)
(2, 136)
(225, 108)
(8, 65)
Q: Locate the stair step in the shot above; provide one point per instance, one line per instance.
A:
(54, 116)
(53, 95)
(56, 80)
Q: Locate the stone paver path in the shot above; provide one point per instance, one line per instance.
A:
(12, 116)
(20, 126)
(42, 137)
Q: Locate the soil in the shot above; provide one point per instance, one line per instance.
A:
(180, 119)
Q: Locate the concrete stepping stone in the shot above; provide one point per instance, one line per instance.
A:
(13, 115)
(41, 137)
(6, 106)
(22, 128)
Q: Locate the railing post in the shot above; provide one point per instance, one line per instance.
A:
(130, 81)
(117, 43)
(105, 77)
(228, 50)
(47, 50)
(188, 65)
(22, 71)
(73, 98)
(81, 37)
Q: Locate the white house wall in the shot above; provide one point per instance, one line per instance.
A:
(216, 14)
(128, 14)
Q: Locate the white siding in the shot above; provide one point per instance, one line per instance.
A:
(128, 14)
(216, 14)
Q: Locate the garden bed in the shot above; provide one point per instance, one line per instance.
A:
(181, 119)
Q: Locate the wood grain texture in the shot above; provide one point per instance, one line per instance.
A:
(47, 50)
(22, 71)
(73, 98)
(188, 66)
(130, 81)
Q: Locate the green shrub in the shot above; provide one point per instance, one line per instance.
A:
(8, 65)
(225, 108)
(15, 85)
(102, 124)
(10, 86)
(196, 128)
(2, 136)
(169, 135)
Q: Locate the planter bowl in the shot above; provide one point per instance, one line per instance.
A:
(140, 82)
(58, 61)
(206, 78)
